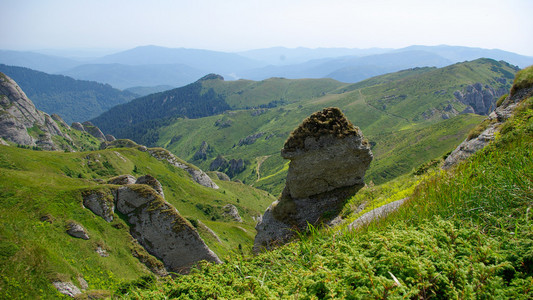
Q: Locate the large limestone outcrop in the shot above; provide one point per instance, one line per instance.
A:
(154, 223)
(481, 98)
(161, 230)
(329, 158)
(492, 125)
(18, 114)
(94, 131)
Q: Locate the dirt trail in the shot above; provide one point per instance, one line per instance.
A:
(382, 111)
(260, 161)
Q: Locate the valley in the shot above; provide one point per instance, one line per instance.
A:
(234, 130)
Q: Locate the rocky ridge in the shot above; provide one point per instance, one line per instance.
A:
(19, 117)
(154, 223)
(480, 98)
(488, 128)
(328, 159)
(197, 175)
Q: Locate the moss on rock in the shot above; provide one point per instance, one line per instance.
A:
(330, 121)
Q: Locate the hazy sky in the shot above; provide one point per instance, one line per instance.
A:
(234, 25)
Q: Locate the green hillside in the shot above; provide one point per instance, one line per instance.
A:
(403, 115)
(40, 193)
(463, 234)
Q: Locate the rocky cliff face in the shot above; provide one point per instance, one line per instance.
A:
(481, 99)
(21, 122)
(154, 223)
(488, 128)
(328, 159)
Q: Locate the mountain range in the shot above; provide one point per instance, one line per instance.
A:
(241, 133)
(148, 66)
(86, 215)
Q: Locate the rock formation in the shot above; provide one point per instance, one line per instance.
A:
(329, 157)
(77, 126)
(19, 117)
(154, 223)
(122, 179)
(201, 154)
(232, 212)
(162, 154)
(492, 123)
(197, 175)
(482, 99)
(100, 203)
(94, 131)
(76, 230)
(161, 230)
(152, 182)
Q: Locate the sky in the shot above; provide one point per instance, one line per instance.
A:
(237, 25)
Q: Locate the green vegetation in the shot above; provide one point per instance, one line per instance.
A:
(402, 115)
(41, 192)
(523, 80)
(74, 100)
(467, 233)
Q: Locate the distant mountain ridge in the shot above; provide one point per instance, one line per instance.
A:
(148, 66)
(415, 114)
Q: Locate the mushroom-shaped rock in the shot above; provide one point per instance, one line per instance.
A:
(161, 230)
(328, 160)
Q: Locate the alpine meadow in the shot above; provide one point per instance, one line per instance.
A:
(164, 172)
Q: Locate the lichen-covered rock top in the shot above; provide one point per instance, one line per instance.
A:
(329, 121)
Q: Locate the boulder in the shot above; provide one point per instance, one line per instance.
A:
(222, 176)
(152, 182)
(67, 288)
(76, 230)
(94, 131)
(122, 180)
(232, 212)
(100, 202)
(110, 138)
(197, 175)
(161, 230)
(328, 160)
(59, 120)
(77, 126)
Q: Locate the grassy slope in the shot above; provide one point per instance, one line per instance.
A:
(463, 234)
(363, 103)
(36, 183)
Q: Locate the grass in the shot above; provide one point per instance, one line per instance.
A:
(523, 79)
(466, 233)
(41, 192)
(402, 109)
